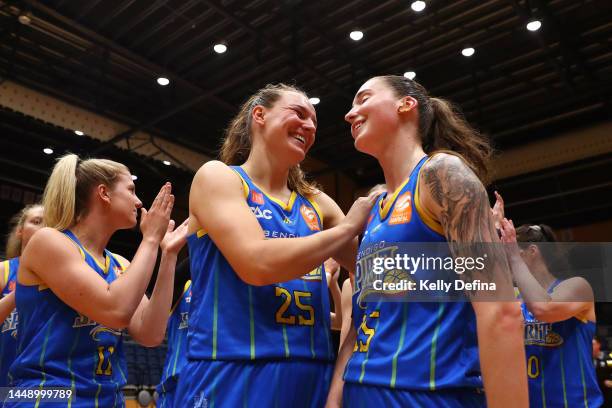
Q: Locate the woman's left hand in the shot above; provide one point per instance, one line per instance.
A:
(175, 239)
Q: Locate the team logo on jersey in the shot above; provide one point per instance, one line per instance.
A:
(288, 221)
(184, 320)
(310, 217)
(314, 275)
(82, 321)
(102, 329)
(12, 286)
(402, 211)
(265, 214)
(541, 334)
(257, 198)
(119, 270)
(11, 322)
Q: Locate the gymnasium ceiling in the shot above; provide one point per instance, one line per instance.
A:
(105, 56)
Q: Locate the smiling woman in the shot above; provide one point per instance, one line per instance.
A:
(68, 282)
(266, 299)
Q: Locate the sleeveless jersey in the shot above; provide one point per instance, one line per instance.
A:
(231, 320)
(8, 336)
(59, 347)
(424, 346)
(177, 341)
(559, 363)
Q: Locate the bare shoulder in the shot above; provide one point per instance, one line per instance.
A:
(49, 240)
(448, 177)
(331, 212)
(578, 286)
(215, 175)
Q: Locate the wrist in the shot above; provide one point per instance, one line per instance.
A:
(170, 254)
(150, 240)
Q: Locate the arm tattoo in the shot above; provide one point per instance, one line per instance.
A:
(465, 213)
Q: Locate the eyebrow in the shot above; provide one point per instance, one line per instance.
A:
(305, 110)
(359, 94)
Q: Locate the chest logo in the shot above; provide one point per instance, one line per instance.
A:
(310, 217)
(257, 198)
(402, 211)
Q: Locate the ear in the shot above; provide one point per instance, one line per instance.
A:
(533, 250)
(258, 115)
(103, 192)
(407, 104)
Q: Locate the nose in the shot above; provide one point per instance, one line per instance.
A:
(138, 203)
(309, 126)
(350, 116)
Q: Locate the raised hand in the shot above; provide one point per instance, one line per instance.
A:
(154, 222)
(498, 210)
(508, 237)
(175, 239)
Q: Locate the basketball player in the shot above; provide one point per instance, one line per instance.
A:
(427, 353)
(259, 331)
(176, 357)
(23, 225)
(559, 322)
(73, 295)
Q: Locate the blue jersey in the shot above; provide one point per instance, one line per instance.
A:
(559, 362)
(177, 341)
(419, 346)
(8, 337)
(59, 347)
(231, 320)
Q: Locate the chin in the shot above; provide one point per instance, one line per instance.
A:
(362, 146)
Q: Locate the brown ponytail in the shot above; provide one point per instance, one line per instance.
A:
(442, 127)
(237, 141)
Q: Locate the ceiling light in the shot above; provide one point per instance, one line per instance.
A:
(134, 177)
(356, 35)
(79, 132)
(163, 81)
(48, 150)
(314, 100)
(534, 25)
(468, 52)
(418, 6)
(25, 19)
(166, 162)
(410, 74)
(220, 48)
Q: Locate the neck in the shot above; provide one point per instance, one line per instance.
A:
(267, 171)
(542, 275)
(94, 233)
(399, 158)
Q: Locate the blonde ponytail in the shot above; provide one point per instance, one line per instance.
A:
(67, 193)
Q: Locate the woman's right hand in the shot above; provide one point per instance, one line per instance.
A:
(357, 216)
(154, 222)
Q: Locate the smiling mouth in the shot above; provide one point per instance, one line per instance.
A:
(300, 139)
(358, 125)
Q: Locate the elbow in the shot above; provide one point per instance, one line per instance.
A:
(540, 310)
(255, 274)
(117, 321)
(503, 317)
(152, 341)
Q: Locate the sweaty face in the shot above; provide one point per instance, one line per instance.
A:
(373, 116)
(33, 222)
(124, 202)
(290, 126)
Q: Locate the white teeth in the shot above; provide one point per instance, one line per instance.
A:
(300, 138)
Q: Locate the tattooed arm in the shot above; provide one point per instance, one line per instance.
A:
(456, 197)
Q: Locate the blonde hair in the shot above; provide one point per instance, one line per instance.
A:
(238, 139)
(66, 195)
(13, 241)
